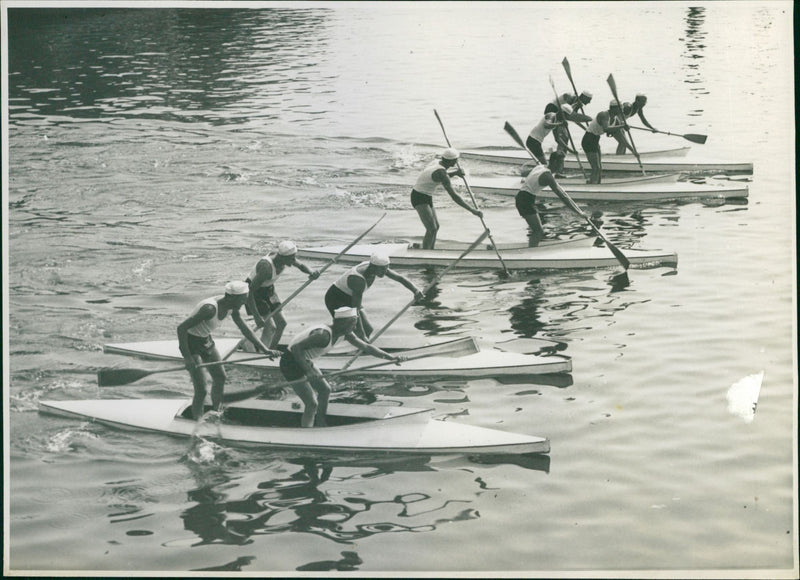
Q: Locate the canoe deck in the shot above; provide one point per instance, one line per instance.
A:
(615, 191)
(476, 363)
(256, 422)
(538, 258)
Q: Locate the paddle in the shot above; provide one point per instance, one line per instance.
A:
(119, 377)
(571, 142)
(693, 137)
(568, 70)
(613, 85)
(465, 346)
(568, 201)
(475, 203)
(425, 291)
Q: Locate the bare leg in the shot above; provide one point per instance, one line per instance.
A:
(199, 382)
(428, 216)
(278, 323)
(323, 394)
(307, 395)
(218, 379)
(594, 161)
(537, 231)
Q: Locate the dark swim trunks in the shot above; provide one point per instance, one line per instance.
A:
(266, 300)
(290, 369)
(202, 346)
(336, 298)
(525, 202)
(418, 198)
(590, 143)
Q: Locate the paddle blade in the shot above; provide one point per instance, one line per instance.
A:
(567, 68)
(613, 85)
(118, 377)
(695, 138)
(514, 135)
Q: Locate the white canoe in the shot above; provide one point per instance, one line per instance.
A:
(478, 363)
(632, 191)
(522, 258)
(580, 179)
(257, 422)
(654, 161)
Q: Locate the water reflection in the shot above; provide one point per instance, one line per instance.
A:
(326, 497)
(694, 53)
(187, 64)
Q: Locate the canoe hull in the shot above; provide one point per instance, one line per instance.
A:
(355, 428)
(479, 363)
(633, 191)
(651, 161)
(540, 258)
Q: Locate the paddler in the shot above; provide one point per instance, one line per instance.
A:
(434, 175)
(550, 122)
(197, 346)
(590, 143)
(629, 110)
(577, 103)
(539, 178)
(298, 361)
(348, 290)
(262, 298)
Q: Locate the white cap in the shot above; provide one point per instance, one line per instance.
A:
(236, 288)
(586, 94)
(449, 153)
(379, 259)
(345, 312)
(641, 96)
(613, 103)
(566, 108)
(287, 248)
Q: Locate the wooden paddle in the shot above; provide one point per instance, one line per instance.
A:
(425, 291)
(568, 70)
(613, 85)
(464, 346)
(472, 197)
(568, 201)
(571, 142)
(693, 137)
(118, 377)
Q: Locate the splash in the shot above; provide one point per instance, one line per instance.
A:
(68, 440)
(743, 396)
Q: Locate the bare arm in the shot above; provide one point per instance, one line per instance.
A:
(370, 348)
(318, 338)
(442, 177)
(205, 313)
(263, 273)
(313, 274)
(392, 275)
(358, 285)
(249, 334)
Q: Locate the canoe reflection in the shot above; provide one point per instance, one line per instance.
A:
(324, 496)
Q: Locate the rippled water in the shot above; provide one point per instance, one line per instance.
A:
(155, 154)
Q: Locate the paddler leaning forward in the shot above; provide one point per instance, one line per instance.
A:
(429, 180)
(590, 143)
(539, 178)
(197, 346)
(349, 288)
(298, 362)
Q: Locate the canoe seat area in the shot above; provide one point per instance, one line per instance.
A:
(249, 417)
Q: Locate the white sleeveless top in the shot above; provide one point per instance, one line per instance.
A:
(425, 183)
(542, 129)
(268, 281)
(204, 327)
(531, 183)
(316, 351)
(594, 127)
(357, 270)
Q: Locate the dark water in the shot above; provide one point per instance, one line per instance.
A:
(154, 154)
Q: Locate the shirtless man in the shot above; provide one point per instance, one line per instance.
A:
(349, 289)
(298, 362)
(262, 298)
(430, 179)
(197, 346)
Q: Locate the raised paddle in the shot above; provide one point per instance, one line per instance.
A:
(571, 142)
(568, 70)
(455, 347)
(119, 377)
(613, 85)
(693, 137)
(425, 291)
(568, 201)
(472, 197)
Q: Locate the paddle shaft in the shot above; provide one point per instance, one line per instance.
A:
(568, 70)
(425, 291)
(569, 134)
(613, 85)
(570, 203)
(693, 137)
(241, 396)
(472, 197)
(330, 263)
